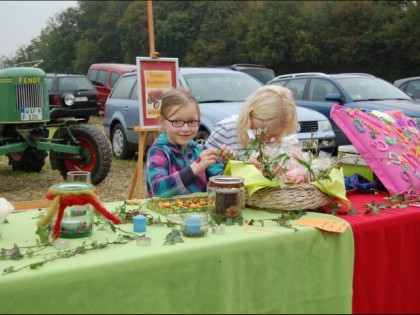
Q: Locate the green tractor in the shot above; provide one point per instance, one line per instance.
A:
(27, 134)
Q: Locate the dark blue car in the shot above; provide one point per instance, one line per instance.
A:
(320, 91)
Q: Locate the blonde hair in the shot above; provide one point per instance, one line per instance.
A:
(174, 98)
(271, 107)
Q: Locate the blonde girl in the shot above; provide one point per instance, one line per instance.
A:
(271, 107)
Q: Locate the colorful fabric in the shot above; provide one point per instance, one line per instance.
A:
(362, 184)
(168, 172)
(387, 141)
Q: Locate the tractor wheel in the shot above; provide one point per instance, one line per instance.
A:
(30, 160)
(95, 153)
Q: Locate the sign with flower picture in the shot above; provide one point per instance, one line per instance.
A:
(388, 141)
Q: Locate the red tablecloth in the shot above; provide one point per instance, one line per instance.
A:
(387, 258)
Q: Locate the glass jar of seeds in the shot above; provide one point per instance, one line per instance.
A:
(226, 197)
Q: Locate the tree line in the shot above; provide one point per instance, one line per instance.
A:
(376, 37)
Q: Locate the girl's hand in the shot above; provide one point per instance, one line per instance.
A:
(254, 161)
(227, 153)
(205, 159)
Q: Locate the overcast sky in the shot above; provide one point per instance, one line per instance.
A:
(21, 21)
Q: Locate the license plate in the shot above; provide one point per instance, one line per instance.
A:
(31, 113)
(81, 99)
(309, 144)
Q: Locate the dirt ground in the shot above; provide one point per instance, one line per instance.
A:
(20, 186)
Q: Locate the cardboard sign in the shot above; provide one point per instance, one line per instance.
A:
(155, 77)
(324, 224)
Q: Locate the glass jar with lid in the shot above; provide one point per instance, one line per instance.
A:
(226, 197)
(78, 220)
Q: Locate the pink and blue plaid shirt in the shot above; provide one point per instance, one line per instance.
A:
(168, 172)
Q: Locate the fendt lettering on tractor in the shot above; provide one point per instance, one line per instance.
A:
(27, 135)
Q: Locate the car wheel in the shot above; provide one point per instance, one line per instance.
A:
(202, 136)
(119, 144)
(30, 160)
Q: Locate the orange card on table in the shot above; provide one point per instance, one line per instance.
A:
(324, 224)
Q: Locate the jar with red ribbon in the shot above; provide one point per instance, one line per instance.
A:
(77, 220)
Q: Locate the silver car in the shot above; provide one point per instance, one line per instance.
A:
(220, 93)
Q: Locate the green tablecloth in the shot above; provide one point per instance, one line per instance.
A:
(309, 271)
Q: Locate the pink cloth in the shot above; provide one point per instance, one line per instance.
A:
(388, 142)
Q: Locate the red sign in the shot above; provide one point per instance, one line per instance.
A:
(155, 77)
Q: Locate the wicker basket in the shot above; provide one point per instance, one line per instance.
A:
(288, 198)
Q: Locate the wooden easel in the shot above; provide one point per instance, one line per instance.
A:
(144, 132)
(138, 173)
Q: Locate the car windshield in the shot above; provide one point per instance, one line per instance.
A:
(263, 75)
(72, 83)
(221, 87)
(364, 89)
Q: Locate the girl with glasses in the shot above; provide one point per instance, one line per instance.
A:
(176, 164)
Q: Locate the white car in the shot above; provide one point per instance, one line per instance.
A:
(220, 93)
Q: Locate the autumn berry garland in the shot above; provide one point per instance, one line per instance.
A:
(63, 198)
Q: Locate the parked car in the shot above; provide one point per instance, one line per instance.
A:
(260, 72)
(320, 91)
(71, 95)
(411, 86)
(104, 76)
(220, 93)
